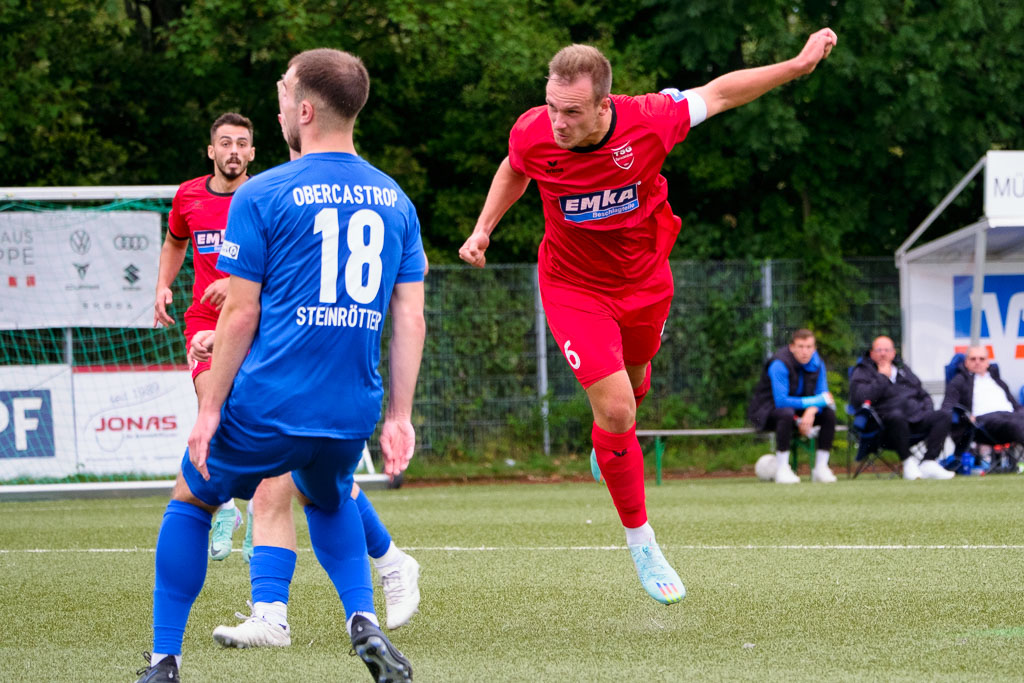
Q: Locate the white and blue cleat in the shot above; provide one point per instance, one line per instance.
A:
(656, 575)
(225, 522)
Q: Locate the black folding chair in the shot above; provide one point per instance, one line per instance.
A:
(968, 434)
(867, 447)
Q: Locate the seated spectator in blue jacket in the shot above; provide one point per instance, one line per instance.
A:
(977, 389)
(794, 385)
(904, 407)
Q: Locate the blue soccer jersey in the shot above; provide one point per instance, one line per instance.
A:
(328, 236)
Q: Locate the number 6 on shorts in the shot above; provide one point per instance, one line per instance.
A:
(571, 356)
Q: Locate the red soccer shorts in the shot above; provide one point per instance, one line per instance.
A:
(599, 335)
(197, 322)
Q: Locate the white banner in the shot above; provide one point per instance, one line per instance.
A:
(939, 317)
(1004, 184)
(54, 424)
(78, 268)
(37, 436)
(133, 422)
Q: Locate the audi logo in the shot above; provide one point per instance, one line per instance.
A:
(80, 242)
(131, 242)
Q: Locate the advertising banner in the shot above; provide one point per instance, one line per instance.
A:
(939, 317)
(1004, 184)
(78, 268)
(133, 421)
(37, 437)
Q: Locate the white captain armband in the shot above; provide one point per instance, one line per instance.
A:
(698, 107)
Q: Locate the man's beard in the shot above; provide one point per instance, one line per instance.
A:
(231, 175)
(291, 136)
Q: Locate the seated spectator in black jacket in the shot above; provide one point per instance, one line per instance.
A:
(793, 392)
(978, 390)
(903, 406)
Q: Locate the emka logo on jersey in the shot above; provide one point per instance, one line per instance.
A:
(593, 206)
(26, 424)
(1002, 313)
(208, 241)
(623, 156)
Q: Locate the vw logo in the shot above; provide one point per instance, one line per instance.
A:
(80, 241)
(131, 242)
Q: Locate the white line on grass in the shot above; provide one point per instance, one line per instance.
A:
(486, 548)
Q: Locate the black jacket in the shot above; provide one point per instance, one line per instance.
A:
(763, 401)
(906, 396)
(960, 390)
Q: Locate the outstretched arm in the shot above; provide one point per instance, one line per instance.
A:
(397, 437)
(746, 85)
(506, 188)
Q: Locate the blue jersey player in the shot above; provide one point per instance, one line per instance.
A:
(317, 250)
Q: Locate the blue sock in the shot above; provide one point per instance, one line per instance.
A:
(378, 540)
(340, 547)
(180, 572)
(270, 571)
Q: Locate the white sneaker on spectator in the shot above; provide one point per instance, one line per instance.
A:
(786, 475)
(931, 469)
(822, 475)
(911, 470)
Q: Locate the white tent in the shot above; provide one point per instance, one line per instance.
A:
(967, 288)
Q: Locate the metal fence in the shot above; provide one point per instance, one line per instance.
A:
(493, 383)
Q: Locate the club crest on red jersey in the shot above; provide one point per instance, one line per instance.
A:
(623, 156)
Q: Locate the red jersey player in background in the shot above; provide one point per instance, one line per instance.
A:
(199, 212)
(605, 280)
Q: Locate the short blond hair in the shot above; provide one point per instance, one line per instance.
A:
(577, 61)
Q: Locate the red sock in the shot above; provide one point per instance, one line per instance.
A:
(622, 467)
(641, 391)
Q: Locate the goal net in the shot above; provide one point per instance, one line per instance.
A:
(90, 390)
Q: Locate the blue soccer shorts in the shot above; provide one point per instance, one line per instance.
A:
(241, 457)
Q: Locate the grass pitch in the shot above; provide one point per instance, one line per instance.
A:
(863, 580)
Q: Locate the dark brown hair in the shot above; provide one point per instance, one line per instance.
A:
(802, 333)
(230, 119)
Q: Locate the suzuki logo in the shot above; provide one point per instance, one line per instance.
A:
(131, 274)
(131, 242)
(80, 242)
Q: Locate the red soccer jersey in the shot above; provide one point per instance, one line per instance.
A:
(607, 221)
(199, 213)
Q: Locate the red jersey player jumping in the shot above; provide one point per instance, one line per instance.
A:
(605, 280)
(199, 212)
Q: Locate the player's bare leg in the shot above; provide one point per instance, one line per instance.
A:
(271, 569)
(227, 519)
(621, 462)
